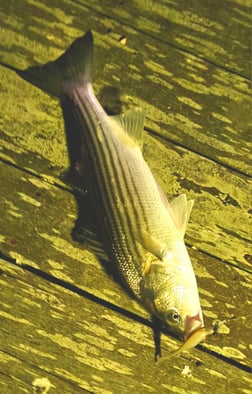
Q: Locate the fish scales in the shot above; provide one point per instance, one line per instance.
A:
(110, 185)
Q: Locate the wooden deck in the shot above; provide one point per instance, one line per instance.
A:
(63, 317)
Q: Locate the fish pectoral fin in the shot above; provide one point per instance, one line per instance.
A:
(132, 122)
(180, 209)
(152, 244)
(88, 236)
(151, 264)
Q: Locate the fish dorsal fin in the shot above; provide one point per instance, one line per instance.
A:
(132, 122)
(180, 209)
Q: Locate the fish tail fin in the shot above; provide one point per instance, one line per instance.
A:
(72, 68)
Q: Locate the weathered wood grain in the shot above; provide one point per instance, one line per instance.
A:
(191, 102)
(36, 223)
(34, 139)
(81, 346)
(63, 314)
(214, 31)
(221, 197)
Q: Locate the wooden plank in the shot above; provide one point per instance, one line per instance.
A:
(221, 199)
(18, 375)
(218, 32)
(81, 346)
(36, 224)
(187, 101)
(64, 315)
(33, 139)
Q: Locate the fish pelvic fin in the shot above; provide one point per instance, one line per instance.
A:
(72, 68)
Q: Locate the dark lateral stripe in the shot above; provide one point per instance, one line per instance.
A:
(126, 183)
(86, 122)
(122, 180)
(105, 168)
(123, 193)
(108, 154)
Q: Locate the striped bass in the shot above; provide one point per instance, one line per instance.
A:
(142, 233)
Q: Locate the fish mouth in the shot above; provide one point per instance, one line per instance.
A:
(192, 324)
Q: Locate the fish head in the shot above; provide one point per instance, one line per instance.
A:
(171, 293)
(182, 317)
(182, 323)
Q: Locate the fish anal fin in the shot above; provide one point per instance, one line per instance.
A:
(88, 236)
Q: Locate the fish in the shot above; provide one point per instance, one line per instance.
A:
(140, 232)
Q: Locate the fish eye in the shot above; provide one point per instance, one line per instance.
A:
(173, 316)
